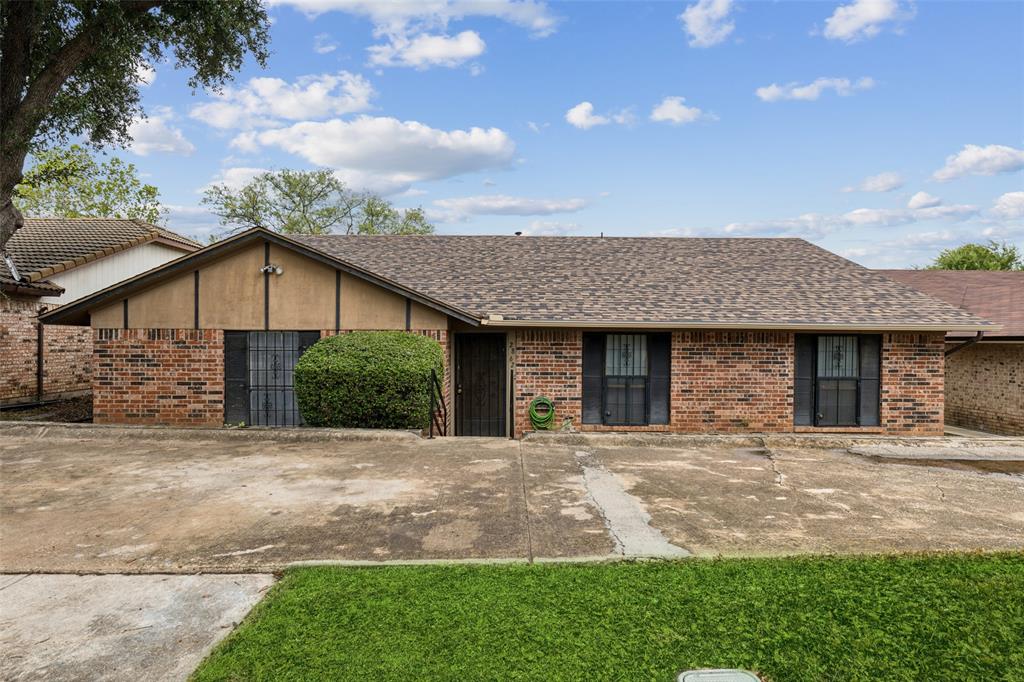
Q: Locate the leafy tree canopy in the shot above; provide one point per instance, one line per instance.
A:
(309, 202)
(70, 68)
(70, 183)
(991, 256)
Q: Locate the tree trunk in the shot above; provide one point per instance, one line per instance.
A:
(10, 175)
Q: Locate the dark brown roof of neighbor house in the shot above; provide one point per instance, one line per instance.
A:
(760, 283)
(45, 246)
(994, 295)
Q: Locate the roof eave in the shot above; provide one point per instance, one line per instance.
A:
(760, 325)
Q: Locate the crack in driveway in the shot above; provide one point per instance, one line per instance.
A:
(624, 515)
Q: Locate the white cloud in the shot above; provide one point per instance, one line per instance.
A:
(673, 110)
(536, 127)
(145, 74)
(415, 33)
(235, 178)
(707, 22)
(864, 19)
(462, 208)
(1009, 206)
(812, 225)
(582, 116)
(923, 200)
(155, 134)
(883, 182)
(263, 102)
(386, 154)
(976, 160)
(547, 228)
(196, 222)
(402, 17)
(322, 44)
(812, 91)
(425, 50)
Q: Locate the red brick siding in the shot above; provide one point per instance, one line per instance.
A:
(66, 354)
(732, 381)
(158, 376)
(913, 372)
(547, 362)
(985, 388)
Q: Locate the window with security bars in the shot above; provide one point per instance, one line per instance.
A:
(837, 380)
(626, 379)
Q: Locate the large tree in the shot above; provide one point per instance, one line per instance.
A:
(69, 68)
(67, 182)
(309, 202)
(991, 256)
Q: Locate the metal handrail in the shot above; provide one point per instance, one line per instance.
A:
(438, 408)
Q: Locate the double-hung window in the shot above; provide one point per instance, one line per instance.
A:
(837, 380)
(625, 379)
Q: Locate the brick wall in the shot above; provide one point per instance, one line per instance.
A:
(547, 362)
(158, 376)
(913, 371)
(67, 354)
(726, 381)
(731, 381)
(985, 388)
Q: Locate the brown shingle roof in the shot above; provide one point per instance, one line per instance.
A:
(45, 246)
(671, 281)
(992, 295)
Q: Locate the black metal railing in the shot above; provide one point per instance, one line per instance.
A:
(438, 407)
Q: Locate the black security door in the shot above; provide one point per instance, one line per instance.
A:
(480, 385)
(258, 376)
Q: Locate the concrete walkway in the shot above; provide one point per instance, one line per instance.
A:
(111, 500)
(111, 627)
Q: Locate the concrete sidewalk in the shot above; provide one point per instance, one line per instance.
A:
(112, 627)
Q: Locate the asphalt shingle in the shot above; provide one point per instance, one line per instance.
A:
(642, 280)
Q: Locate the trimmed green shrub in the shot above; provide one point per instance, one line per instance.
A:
(378, 380)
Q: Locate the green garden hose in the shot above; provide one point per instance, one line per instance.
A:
(542, 421)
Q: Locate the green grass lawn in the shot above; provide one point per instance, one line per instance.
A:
(948, 617)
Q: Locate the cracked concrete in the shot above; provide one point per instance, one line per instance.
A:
(102, 501)
(624, 515)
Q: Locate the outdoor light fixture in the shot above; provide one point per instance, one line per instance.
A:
(271, 269)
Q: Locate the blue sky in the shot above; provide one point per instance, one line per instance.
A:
(881, 130)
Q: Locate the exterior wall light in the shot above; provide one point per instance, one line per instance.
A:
(271, 269)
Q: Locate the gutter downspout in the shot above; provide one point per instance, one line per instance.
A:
(965, 344)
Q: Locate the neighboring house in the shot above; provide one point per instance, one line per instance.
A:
(984, 376)
(668, 334)
(57, 261)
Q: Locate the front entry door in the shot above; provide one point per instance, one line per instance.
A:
(258, 376)
(480, 385)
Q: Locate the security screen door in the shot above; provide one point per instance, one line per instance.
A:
(259, 371)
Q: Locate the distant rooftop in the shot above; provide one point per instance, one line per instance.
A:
(997, 296)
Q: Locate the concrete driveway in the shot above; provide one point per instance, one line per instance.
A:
(93, 499)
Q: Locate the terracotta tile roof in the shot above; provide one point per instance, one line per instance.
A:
(996, 296)
(680, 281)
(45, 246)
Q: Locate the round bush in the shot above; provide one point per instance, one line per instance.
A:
(378, 380)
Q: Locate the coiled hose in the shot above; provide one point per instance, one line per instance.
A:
(542, 421)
